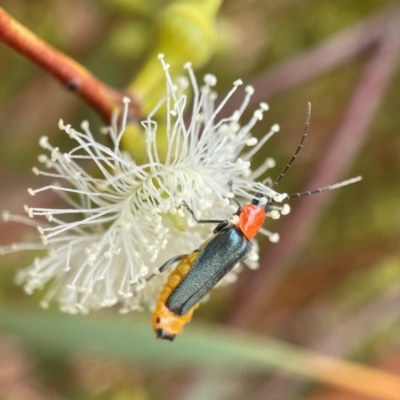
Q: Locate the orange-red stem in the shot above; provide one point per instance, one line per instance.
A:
(73, 75)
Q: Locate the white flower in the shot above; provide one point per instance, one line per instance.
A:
(119, 222)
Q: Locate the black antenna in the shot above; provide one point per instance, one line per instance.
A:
(326, 188)
(288, 165)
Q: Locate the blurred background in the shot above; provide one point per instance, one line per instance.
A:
(330, 285)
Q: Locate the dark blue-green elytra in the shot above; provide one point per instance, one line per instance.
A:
(215, 260)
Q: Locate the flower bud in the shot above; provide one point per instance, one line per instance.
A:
(185, 32)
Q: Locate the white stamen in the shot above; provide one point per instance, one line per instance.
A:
(210, 80)
(249, 90)
(235, 220)
(275, 214)
(274, 238)
(44, 142)
(285, 209)
(276, 128)
(119, 217)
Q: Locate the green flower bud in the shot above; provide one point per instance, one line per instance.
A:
(185, 32)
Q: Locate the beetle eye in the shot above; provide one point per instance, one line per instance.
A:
(256, 200)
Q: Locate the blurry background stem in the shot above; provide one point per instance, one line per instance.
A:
(74, 76)
(327, 55)
(352, 332)
(254, 292)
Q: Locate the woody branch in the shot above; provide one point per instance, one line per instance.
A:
(73, 76)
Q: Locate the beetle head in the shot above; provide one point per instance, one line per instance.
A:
(262, 201)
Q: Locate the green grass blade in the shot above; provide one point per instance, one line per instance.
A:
(130, 338)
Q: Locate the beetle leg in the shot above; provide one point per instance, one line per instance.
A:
(239, 209)
(222, 222)
(167, 264)
(171, 261)
(220, 226)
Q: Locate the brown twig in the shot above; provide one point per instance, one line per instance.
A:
(252, 294)
(73, 75)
